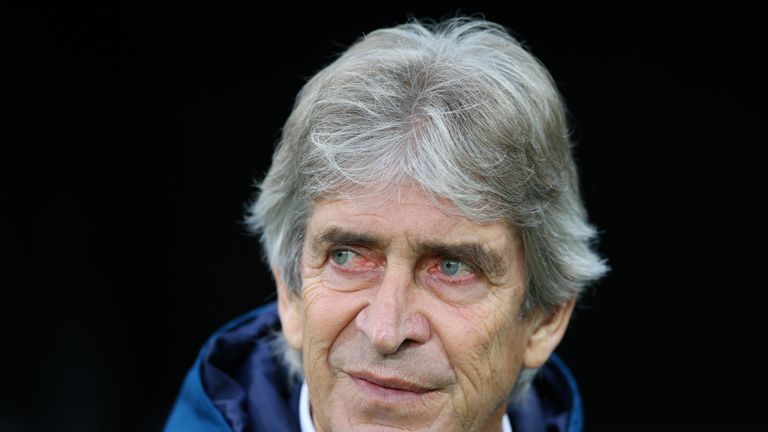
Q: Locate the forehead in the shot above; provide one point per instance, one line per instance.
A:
(408, 215)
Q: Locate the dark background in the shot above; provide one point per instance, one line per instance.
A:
(133, 135)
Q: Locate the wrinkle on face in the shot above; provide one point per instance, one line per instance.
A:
(474, 345)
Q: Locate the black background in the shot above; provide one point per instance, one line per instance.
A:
(133, 135)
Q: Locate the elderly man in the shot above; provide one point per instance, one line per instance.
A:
(423, 223)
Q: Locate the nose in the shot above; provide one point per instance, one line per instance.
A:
(391, 319)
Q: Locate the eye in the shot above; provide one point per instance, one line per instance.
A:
(452, 267)
(342, 256)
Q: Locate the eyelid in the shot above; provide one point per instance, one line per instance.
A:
(337, 248)
(341, 248)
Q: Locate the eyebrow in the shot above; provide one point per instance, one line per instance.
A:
(339, 236)
(473, 253)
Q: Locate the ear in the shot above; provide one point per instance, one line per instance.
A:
(289, 309)
(546, 333)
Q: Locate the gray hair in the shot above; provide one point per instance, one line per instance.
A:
(458, 108)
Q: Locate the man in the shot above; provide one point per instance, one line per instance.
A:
(423, 223)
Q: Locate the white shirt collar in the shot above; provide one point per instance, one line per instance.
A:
(305, 418)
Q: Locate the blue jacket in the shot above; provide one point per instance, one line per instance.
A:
(238, 384)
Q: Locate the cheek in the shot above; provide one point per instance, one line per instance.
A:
(327, 313)
(486, 350)
(329, 317)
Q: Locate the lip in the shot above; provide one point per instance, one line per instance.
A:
(391, 383)
(388, 389)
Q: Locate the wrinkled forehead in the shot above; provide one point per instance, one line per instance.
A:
(420, 215)
(386, 195)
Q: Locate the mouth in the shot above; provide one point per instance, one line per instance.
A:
(389, 389)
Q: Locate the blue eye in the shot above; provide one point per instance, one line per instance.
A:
(451, 267)
(341, 256)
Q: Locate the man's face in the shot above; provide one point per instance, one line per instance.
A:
(409, 317)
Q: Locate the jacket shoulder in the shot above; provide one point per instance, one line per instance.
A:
(553, 402)
(193, 409)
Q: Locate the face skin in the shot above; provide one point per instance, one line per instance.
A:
(409, 317)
